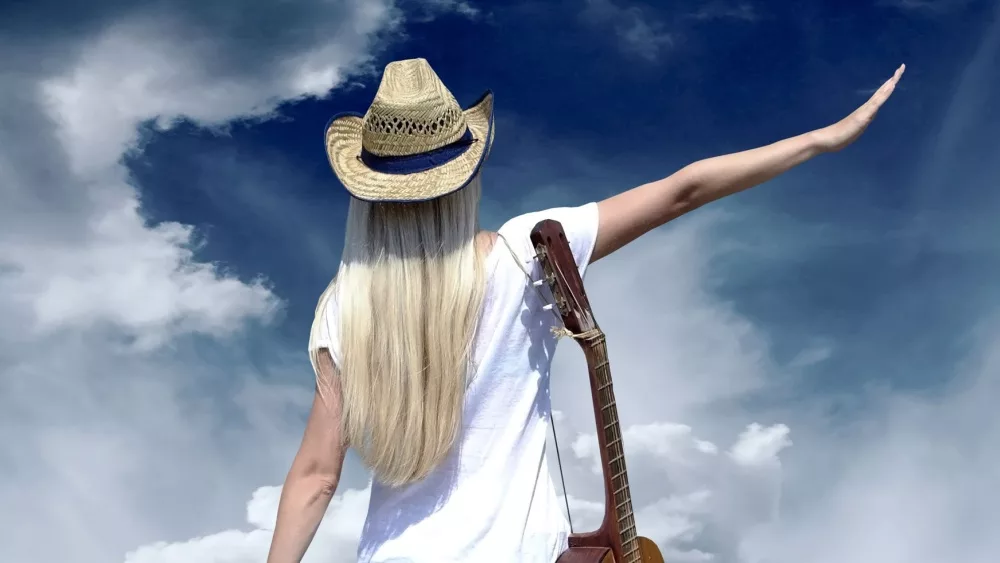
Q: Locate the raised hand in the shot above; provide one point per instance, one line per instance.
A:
(629, 214)
(847, 130)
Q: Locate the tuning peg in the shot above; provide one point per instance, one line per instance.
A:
(538, 283)
(547, 307)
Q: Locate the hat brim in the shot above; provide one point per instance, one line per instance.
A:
(343, 148)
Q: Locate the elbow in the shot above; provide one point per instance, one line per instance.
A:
(688, 192)
(315, 487)
(687, 200)
(312, 478)
(326, 485)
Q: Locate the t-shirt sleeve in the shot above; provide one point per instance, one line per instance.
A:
(324, 332)
(579, 223)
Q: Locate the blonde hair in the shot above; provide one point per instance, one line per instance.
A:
(408, 295)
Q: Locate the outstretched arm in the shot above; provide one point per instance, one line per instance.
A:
(315, 472)
(628, 215)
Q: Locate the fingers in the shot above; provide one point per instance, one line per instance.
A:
(871, 107)
(883, 93)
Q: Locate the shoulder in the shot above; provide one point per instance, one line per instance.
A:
(576, 213)
(487, 240)
(570, 216)
(324, 331)
(580, 224)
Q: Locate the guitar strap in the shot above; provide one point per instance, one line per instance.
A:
(559, 330)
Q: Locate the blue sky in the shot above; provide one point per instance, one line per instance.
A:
(805, 362)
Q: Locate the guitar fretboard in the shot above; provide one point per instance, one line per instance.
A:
(614, 470)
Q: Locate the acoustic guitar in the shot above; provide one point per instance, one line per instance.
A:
(615, 541)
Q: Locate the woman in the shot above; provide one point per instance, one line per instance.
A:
(430, 349)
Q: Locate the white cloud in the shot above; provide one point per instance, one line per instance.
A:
(128, 274)
(115, 449)
(681, 486)
(667, 442)
(144, 67)
(914, 480)
(336, 540)
(759, 446)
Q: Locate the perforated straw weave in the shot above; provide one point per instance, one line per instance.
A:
(413, 117)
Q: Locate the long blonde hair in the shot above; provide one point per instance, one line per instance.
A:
(408, 295)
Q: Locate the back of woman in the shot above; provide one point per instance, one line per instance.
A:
(431, 348)
(489, 497)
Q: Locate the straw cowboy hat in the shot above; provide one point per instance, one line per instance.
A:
(414, 143)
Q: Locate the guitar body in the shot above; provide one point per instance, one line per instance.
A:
(648, 553)
(587, 555)
(616, 540)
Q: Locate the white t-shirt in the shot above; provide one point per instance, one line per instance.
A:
(492, 499)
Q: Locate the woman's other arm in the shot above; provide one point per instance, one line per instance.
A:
(315, 472)
(626, 216)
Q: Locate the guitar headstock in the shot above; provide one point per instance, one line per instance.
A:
(562, 276)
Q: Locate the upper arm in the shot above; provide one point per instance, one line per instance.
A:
(322, 451)
(626, 216)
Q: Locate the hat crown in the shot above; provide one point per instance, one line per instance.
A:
(412, 113)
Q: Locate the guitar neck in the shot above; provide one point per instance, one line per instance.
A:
(618, 497)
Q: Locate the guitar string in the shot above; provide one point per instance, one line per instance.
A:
(557, 334)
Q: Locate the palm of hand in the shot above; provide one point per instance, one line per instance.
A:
(847, 130)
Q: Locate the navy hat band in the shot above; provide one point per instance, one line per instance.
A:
(420, 162)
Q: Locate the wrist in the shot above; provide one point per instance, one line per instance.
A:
(817, 142)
